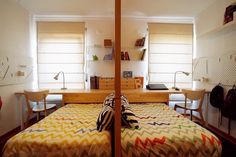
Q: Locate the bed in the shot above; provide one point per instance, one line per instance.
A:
(164, 132)
(71, 131)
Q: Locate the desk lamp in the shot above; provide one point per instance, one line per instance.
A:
(186, 73)
(56, 78)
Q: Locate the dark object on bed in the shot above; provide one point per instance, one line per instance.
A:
(156, 87)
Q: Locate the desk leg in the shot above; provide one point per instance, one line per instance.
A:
(62, 101)
(20, 104)
(207, 104)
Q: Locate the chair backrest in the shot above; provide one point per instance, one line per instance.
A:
(35, 96)
(195, 94)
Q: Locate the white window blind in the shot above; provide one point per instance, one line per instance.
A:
(170, 50)
(60, 48)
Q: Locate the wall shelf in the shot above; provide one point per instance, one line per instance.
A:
(229, 27)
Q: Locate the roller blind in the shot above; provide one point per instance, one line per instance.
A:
(60, 48)
(170, 50)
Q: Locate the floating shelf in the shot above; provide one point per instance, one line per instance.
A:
(229, 27)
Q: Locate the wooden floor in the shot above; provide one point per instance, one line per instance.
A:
(228, 148)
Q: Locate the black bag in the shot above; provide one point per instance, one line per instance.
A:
(217, 96)
(229, 108)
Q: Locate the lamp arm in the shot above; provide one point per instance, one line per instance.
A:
(186, 73)
(175, 79)
(64, 87)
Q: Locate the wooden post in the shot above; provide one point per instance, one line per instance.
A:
(117, 125)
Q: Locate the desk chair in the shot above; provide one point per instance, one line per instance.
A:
(193, 96)
(39, 97)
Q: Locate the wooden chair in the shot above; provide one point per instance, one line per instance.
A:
(192, 96)
(38, 97)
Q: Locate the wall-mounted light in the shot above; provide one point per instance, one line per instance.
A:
(186, 73)
(56, 78)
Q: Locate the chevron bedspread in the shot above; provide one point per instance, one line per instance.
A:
(165, 133)
(69, 131)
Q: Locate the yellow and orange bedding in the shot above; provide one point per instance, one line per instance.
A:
(165, 133)
(69, 131)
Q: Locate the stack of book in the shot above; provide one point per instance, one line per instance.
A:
(140, 42)
(94, 82)
(125, 56)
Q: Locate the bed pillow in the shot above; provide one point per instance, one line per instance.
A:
(110, 101)
(105, 118)
(129, 119)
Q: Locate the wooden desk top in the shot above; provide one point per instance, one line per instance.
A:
(71, 91)
(98, 96)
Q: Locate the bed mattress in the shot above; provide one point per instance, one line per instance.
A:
(165, 133)
(69, 131)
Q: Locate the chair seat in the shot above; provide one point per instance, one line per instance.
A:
(189, 106)
(40, 107)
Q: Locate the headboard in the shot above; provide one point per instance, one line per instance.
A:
(133, 96)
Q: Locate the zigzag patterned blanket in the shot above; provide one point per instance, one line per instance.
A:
(165, 133)
(69, 131)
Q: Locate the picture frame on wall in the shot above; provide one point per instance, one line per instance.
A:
(127, 74)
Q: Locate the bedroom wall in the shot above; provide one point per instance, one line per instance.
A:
(14, 42)
(215, 56)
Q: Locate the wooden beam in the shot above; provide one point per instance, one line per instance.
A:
(117, 126)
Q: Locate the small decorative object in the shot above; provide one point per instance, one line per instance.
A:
(138, 82)
(127, 74)
(107, 43)
(109, 56)
(229, 12)
(95, 57)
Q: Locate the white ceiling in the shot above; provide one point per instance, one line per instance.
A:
(139, 8)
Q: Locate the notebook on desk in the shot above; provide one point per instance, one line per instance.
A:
(156, 87)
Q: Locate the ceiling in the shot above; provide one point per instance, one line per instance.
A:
(137, 8)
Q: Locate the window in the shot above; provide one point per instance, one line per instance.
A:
(170, 50)
(60, 48)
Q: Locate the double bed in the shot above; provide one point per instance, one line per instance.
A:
(72, 131)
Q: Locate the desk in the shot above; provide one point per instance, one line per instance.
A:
(98, 96)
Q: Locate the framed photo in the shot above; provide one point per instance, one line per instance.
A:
(127, 74)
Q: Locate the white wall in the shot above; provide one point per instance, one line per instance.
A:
(219, 51)
(14, 41)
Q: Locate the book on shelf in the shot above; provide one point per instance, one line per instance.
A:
(143, 54)
(126, 57)
(140, 42)
(94, 82)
